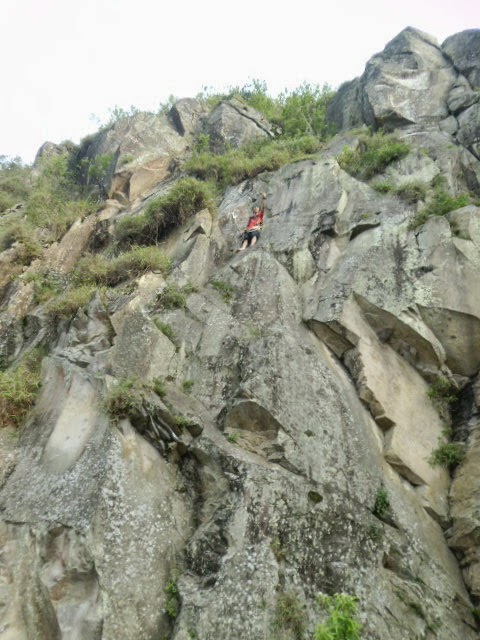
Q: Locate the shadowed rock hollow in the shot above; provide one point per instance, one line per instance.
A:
(296, 391)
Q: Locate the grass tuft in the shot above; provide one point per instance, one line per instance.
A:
(440, 204)
(187, 197)
(18, 389)
(97, 269)
(67, 304)
(373, 154)
(253, 158)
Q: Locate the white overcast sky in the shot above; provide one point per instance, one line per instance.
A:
(64, 60)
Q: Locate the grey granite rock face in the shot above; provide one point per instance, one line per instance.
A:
(232, 124)
(469, 128)
(286, 451)
(407, 83)
(464, 50)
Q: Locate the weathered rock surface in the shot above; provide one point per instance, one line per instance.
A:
(295, 385)
(464, 50)
(414, 81)
(407, 83)
(233, 123)
(145, 149)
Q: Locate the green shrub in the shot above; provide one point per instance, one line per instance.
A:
(54, 202)
(135, 229)
(164, 327)
(298, 112)
(412, 192)
(11, 232)
(375, 532)
(253, 158)
(382, 503)
(440, 204)
(172, 606)
(289, 615)
(442, 389)
(98, 172)
(28, 251)
(97, 269)
(52, 198)
(187, 385)
(373, 154)
(171, 297)
(447, 455)
(187, 197)
(278, 549)
(68, 303)
(383, 187)
(189, 288)
(304, 109)
(202, 143)
(25, 234)
(158, 387)
(18, 389)
(115, 114)
(125, 399)
(45, 285)
(181, 422)
(14, 182)
(226, 290)
(341, 623)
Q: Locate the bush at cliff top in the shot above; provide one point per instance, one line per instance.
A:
(298, 112)
(373, 154)
(54, 203)
(187, 197)
(237, 165)
(18, 390)
(97, 269)
(14, 186)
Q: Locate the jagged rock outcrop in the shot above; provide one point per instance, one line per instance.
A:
(294, 390)
(464, 50)
(405, 84)
(145, 148)
(415, 81)
(233, 123)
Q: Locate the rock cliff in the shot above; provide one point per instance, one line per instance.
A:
(288, 450)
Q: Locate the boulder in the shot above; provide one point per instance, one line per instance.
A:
(461, 97)
(130, 143)
(186, 114)
(408, 82)
(233, 123)
(469, 129)
(464, 50)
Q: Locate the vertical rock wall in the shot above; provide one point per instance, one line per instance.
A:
(295, 384)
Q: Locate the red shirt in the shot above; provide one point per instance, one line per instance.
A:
(255, 221)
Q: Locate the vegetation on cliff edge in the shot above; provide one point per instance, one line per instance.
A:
(375, 151)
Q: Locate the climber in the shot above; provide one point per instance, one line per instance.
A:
(251, 232)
